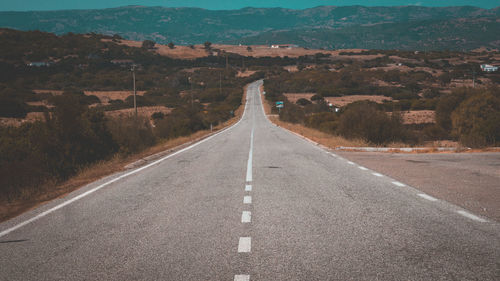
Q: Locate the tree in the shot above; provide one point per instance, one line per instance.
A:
(362, 120)
(249, 49)
(476, 121)
(208, 45)
(171, 45)
(148, 44)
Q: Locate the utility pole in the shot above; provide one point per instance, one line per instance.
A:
(135, 92)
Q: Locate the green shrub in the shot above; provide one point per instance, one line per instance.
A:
(291, 113)
(363, 120)
(476, 121)
(132, 134)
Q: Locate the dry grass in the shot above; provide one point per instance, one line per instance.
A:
(419, 116)
(54, 92)
(144, 111)
(51, 191)
(106, 96)
(246, 73)
(294, 97)
(327, 140)
(16, 122)
(185, 52)
(345, 100)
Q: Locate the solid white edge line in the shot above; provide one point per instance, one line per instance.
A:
(245, 245)
(471, 216)
(246, 217)
(43, 214)
(427, 197)
(248, 187)
(242, 277)
(247, 200)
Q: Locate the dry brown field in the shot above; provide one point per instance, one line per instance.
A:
(345, 100)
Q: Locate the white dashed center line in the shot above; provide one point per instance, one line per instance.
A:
(247, 200)
(242, 278)
(377, 174)
(397, 183)
(362, 168)
(248, 187)
(350, 163)
(427, 197)
(245, 245)
(246, 217)
(471, 216)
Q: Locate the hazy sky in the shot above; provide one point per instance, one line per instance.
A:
(24, 5)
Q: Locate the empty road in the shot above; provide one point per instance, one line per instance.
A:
(254, 202)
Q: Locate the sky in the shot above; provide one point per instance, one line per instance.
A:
(30, 5)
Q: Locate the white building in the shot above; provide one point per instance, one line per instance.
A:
(488, 68)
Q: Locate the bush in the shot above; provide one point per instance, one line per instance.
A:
(292, 113)
(362, 120)
(12, 108)
(476, 121)
(303, 102)
(132, 134)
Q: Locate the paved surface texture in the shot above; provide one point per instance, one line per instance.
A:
(254, 202)
(470, 180)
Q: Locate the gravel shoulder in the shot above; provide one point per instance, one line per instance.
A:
(469, 180)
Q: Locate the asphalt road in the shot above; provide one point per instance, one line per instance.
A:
(254, 202)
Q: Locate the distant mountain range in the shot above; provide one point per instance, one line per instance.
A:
(409, 27)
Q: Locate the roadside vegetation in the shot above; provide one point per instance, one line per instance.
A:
(77, 130)
(400, 83)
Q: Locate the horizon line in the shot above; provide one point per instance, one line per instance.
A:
(248, 7)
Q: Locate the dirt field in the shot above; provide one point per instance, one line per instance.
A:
(106, 96)
(345, 100)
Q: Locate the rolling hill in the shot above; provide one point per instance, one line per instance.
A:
(194, 25)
